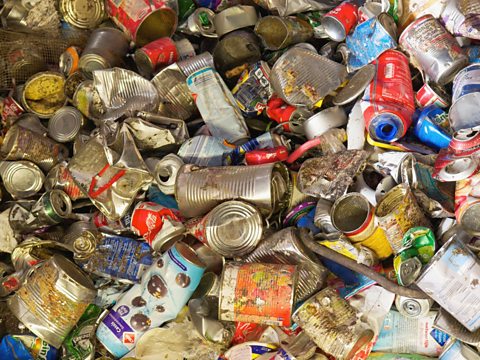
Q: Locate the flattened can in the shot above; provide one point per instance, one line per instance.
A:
(397, 212)
(201, 22)
(466, 98)
(333, 324)
(232, 229)
(279, 32)
(413, 308)
(52, 299)
(257, 293)
(338, 22)
(60, 178)
(459, 270)
(433, 49)
(154, 55)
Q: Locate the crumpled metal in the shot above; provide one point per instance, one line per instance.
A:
(289, 7)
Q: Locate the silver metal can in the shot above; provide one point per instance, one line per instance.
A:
(464, 112)
(234, 18)
(413, 308)
(165, 171)
(323, 121)
(195, 63)
(21, 179)
(65, 124)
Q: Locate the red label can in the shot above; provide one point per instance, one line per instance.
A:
(339, 21)
(11, 108)
(158, 53)
(432, 95)
(265, 156)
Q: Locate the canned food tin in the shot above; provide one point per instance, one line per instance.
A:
(413, 308)
(323, 121)
(165, 171)
(279, 32)
(65, 124)
(234, 18)
(43, 94)
(466, 98)
(158, 53)
(69, 60)
(145, 20)
(257, 293)
(21, 179)
(397, 212)
(333, 324)
(232, 229)
(52, 299)
(431, 94)
(459, 269)
(83, 14)
(72, 82)
(433, 49)
(467, 204)
(338, 22)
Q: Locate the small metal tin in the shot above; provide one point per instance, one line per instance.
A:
(413, 308)
(43, 94)
(321, 122)
(209, 286)
(234, 18)
(83, 14)
(21, 179)
(279, 32)
(355, 86)
(65, 124)
(72, 82)
(53, 299)
(338, 22)
(466, 98)
(158, 53)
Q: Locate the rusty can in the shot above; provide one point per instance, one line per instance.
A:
(279, 32)
(333, 324)
(232, 229)
(397, 212)
(338, 22)
(154, 55)
(433, 49)
(83, 14)
(52, 299)
(145, 20)
(257, 293)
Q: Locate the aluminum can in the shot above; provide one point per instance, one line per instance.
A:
(105, 49)
(21, 179)
(338, 22)
(461, 18)
(232, 229)
(407, 267)
(23, 144)
(234, 18)
(164, 290)
(433, 49)
(286, 247)
(83, 14)
(397, 212)
(432, 127)
(65, 124)
(266, 156)
(257, 293)
(200, 23)
(145, 20)
(432, 94)
(104, 224)
(11, 109)
(333, 324)
(388, 102)
(353, 215)
(199, 190)
(456, 350)
(279, 32)
(458, 268)
(323, 121)
(52, 299)
(60, 178)
(467, 204)
(165, 171)
(69, 60)
(466, 98)
(195, 63)
(154, 55)
(413, 308)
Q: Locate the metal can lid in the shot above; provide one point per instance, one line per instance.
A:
(21, 178)
(356, 85)
(144, 63)
(409, 271)
(65, 124)
(83, 14)
(91, 62)
(235, 17)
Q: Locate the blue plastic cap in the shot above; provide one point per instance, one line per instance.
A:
(387, 128)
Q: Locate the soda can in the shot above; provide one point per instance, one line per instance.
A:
(333, 324)
(83, 14)
(154, 55)
(413, 308)
(52, 299)
(69, 60)
(21, 179)
(433, 49)
(432, 94)
(397, 212)
(461, 18)
(195, 63)
(432, 127)
(264, 141)
(200, 23)
(199, 190)
(23, 144)
(323, 121)
(11, 109)
(60, 178)
(338, 22)
(37, 347)
(257, 293)
(65, 124)
(279, 32)
(466, 98)
(145, 20)
(165, 171)
(456, 350)
(234, 18)
(105, 49)
(165, 288)
(458, 268)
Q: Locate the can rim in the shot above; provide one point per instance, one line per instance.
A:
(357, 197)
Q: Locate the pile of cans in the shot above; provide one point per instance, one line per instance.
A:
(230, 180)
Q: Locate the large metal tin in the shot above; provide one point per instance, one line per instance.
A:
(466, 98)
(234, 18)
(83, 14)
(21, 178)
(199, 190)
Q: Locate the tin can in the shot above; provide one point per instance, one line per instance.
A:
(407, 267)
(52, 299)
(209, 286)
(397, 212)
(83, 14)
(232, 229)
(23, 144)
(413, 308)
(467, 204)
(144, 21)
(21, 179)
(338, 22)
(466, 98)
(164, 290)
(323, 121)
(195, 63)
(257, 293)
(65, 124)
(234, 18)
(333, 324)
(60, 178)
(158, 53)
(279, 32)
(433, 49)
(105, 49)
(266, 186)
(456, 350)
(69, 60)
(459, 268)
(388, 102)
(72, 82)
(432, 94)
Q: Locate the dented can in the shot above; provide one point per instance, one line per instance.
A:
(432, 94)
(466, 98)
(158, 53)
(279, 32)
(338, 22)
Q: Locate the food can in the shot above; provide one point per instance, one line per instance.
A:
(21, 179)
(195, 63)
(72, 83)
(333, 324)
(323, 121)
(459, 270)
(279, 32)
(165, 288)
(209, 286)
(65, 124)
(338, 22)
(83, 14)
(144, 20)
(257, 293)
(154, 55)
(105, 49)
(466, 98)
(232, 229)
(397, 212)
(199, 190)
(413, 308)
(52, 299)
(467, 204)
(433, 49)
(432, 94)
(69, 60)
(353, 215)
(457, 350)
(234, 18)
